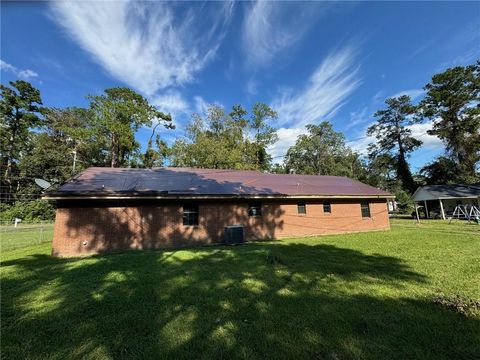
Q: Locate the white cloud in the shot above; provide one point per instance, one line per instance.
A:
(462, 46)
(201, 106)
(171, 101)
(360, 144)
(378, 97)
(358, 117)
(328, 88)
(270, 27)
(287, 138)
(413, 93)
(23, 74)
(142, 43)
(419, 132)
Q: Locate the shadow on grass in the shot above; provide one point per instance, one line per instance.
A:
(266, 300)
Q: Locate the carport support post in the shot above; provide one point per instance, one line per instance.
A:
(416, 213)
(426, 209)
(441, 208)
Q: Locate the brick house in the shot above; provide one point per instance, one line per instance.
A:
(107, 209)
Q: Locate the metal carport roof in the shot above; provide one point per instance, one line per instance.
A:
(438, 192)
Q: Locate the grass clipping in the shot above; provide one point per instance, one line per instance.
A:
(458, 304)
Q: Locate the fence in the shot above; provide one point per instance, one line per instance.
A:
(23, 235)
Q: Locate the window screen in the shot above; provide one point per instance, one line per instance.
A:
(190, 215)
(365, 209)
(327, 208)
(255, 209)
(302, 208)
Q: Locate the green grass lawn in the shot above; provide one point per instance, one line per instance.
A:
(24, 235)
(357, 296)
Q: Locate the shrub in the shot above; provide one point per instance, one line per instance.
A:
(28, 211)
(404, 202)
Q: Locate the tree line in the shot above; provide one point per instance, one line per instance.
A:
(38, 141)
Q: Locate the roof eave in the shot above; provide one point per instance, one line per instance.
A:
(54, 197)
(448, 198)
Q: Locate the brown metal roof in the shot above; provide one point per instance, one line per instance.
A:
(98, 182)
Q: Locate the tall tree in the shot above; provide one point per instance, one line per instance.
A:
(157, 152)
(440, 171)
(19, 114)
(66, 144)
(394, 137)
(76, 127)
(381, 172)
(323, 152)
(213, 141)
(452, 101)
(240, 130)
(264, 135)
(220, 140)
(117, 115)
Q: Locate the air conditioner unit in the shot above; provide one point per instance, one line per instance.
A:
(234, 234)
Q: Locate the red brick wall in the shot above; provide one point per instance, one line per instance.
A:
(89, 230)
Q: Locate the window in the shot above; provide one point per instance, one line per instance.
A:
(327, 208)
(365, 209)
(302, 208)
(190, 215)
(255, 209)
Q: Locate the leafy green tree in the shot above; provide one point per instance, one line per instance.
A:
(31, 211)
(180, 153)
(240, 126)
(381, 172)
(226, 141)
(394, 137)
(212, 141)
(263, 134)
(405, 203)
(452, 101)
(66, 145)
(323, 152)
(155, 155)
(440, 171)
(278, 169)
(76, 127)
(117, 115)
(19, 114)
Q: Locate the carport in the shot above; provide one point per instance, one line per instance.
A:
(446, 197)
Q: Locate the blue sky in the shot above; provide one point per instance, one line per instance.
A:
(311, 61)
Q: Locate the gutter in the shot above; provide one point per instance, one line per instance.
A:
(448, 198)
(209, 197)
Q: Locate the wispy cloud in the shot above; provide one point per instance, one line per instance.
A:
(413, 93)
(327, 89)
(271, 27)
(378, 97)
(171, 102)
(358, 117)
(251, 87)
(331, 83)
(361, 143)
(419, 131)
(145, 44)
(201, 106)
(464, 45)
(26, 74)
